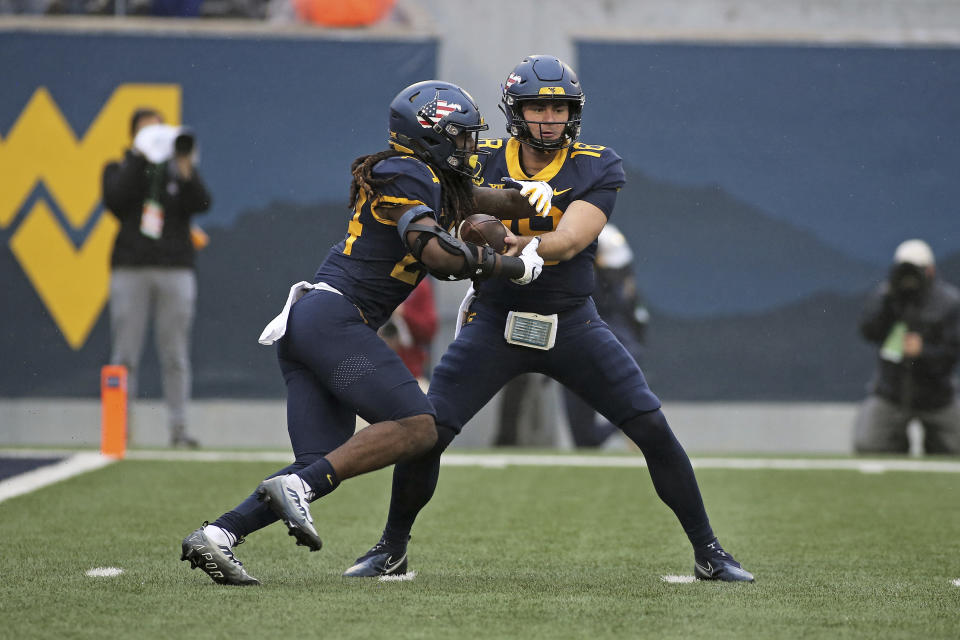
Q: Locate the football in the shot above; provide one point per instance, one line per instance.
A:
(483, 229)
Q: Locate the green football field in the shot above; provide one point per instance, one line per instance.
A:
(513, 551)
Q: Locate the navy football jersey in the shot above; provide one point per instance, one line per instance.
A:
(582, 172)
(371, 265)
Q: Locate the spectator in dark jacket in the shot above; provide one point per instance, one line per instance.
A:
(154, 191)
(914, 318)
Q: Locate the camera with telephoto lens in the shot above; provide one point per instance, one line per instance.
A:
(184, 142)
(907, 281)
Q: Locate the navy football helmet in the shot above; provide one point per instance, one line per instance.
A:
(439, 123)
(542, 78)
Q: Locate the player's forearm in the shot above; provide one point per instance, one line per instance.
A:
(506, 204)
(579, 226)
(484, 264)
(557, 245)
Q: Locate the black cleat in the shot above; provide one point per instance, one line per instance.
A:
(285, 497)
(713, 563)
(216, 560)
(384, 559)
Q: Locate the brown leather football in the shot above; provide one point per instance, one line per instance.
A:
(481, 228)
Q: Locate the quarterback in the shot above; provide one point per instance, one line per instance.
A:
(550, 326)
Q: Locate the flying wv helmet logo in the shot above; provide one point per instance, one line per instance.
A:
(51, 217)
(435, 111)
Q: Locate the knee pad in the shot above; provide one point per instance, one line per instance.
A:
(649, 430)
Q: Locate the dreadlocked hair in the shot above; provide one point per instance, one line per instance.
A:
(458, 202)
(363, 180)
(457, 189)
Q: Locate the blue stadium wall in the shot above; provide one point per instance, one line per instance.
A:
(767, 187)
(278, 119)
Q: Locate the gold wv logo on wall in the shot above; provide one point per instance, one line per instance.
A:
(48, 171)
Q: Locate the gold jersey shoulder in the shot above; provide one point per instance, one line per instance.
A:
(581, 149)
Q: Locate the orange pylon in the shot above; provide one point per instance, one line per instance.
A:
(113, 402)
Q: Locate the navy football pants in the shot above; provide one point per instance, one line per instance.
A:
(336, 367)
(587, 359)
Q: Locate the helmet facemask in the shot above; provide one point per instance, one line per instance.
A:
(464, 157)
(530, 132)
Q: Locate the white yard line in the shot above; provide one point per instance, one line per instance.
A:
(104, 572)
(863, 465)
(402, 577)
(501, 460)
(74, 465)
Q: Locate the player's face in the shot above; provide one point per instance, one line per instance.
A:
(466, 141)
(546, 118)
(466, 149)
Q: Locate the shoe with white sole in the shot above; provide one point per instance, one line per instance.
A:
(713, 563)
(383, 559)
(286, 497)
(216, 559)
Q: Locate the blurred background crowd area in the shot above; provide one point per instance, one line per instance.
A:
(328, 13)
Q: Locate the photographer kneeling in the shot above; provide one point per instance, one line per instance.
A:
(914, 318)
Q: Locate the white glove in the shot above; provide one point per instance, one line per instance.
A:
(539, 194)
(532, 263)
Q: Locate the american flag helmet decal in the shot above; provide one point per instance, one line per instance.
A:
(434, 111)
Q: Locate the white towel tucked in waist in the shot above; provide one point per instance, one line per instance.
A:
(277, 327)
(464, 309)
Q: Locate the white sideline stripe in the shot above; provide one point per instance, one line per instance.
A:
(679, 579)
(502, 460)
(864, 466)
(956, 582)
(104, 572)
(74, 465)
